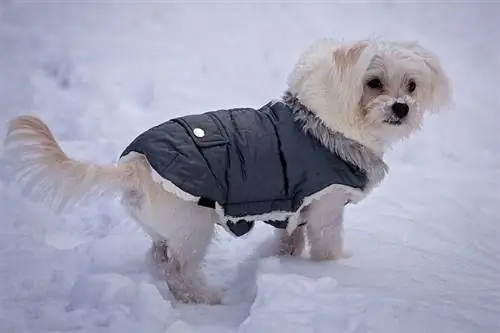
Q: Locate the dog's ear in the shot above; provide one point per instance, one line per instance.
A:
(347, 56)
(440, 85)
(309, 62)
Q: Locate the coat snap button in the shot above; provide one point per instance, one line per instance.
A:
(198, 132)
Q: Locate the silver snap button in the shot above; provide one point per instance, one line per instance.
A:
(198, 132)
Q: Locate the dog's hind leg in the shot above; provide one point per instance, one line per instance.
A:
(180, 258)
(181, 232)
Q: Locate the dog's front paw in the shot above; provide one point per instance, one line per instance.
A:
(287, 249)
(290, 245)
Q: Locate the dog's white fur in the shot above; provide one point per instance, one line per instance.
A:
(333, 84)
(329, 79)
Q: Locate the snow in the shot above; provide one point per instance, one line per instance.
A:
(426, 249)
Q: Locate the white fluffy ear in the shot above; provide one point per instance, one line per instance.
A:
(350, 62)
(441, 92)
(308, 63)
(348, 56)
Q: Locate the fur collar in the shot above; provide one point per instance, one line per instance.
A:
(349, 150)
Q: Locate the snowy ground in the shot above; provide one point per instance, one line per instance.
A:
(426, 244)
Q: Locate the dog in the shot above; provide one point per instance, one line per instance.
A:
(295, 163)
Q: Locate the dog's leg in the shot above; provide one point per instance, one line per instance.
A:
(325, 226)
(183, 252)
(290, 244)
(187, 285)
(180, 255)
(181, 232)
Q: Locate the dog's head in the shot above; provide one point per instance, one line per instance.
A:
(372, 91)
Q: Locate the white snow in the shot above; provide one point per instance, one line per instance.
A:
(426, 244)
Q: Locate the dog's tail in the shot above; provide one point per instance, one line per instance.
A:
(47, 174)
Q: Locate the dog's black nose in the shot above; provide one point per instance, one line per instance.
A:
(400, 109)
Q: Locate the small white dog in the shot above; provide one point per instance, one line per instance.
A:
(295, 163)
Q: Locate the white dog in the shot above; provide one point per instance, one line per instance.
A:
(295, 163)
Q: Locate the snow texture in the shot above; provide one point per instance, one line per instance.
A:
(426, 244)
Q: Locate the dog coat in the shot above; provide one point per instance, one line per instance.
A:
(247, 164)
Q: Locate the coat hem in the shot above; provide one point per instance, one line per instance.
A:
(355, 195)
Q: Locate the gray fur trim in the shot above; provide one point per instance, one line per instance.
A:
(349, 150)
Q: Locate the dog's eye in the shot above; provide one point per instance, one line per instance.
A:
(412, 86)
(375, 83)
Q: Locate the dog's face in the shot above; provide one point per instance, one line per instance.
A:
(375, 92)
(400, 83)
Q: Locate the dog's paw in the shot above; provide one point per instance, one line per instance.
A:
(289, 245)
(193, 288)
(284, 249)
(279, 249)
(289, 250)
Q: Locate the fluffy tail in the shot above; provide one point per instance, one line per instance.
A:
(47, 174)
